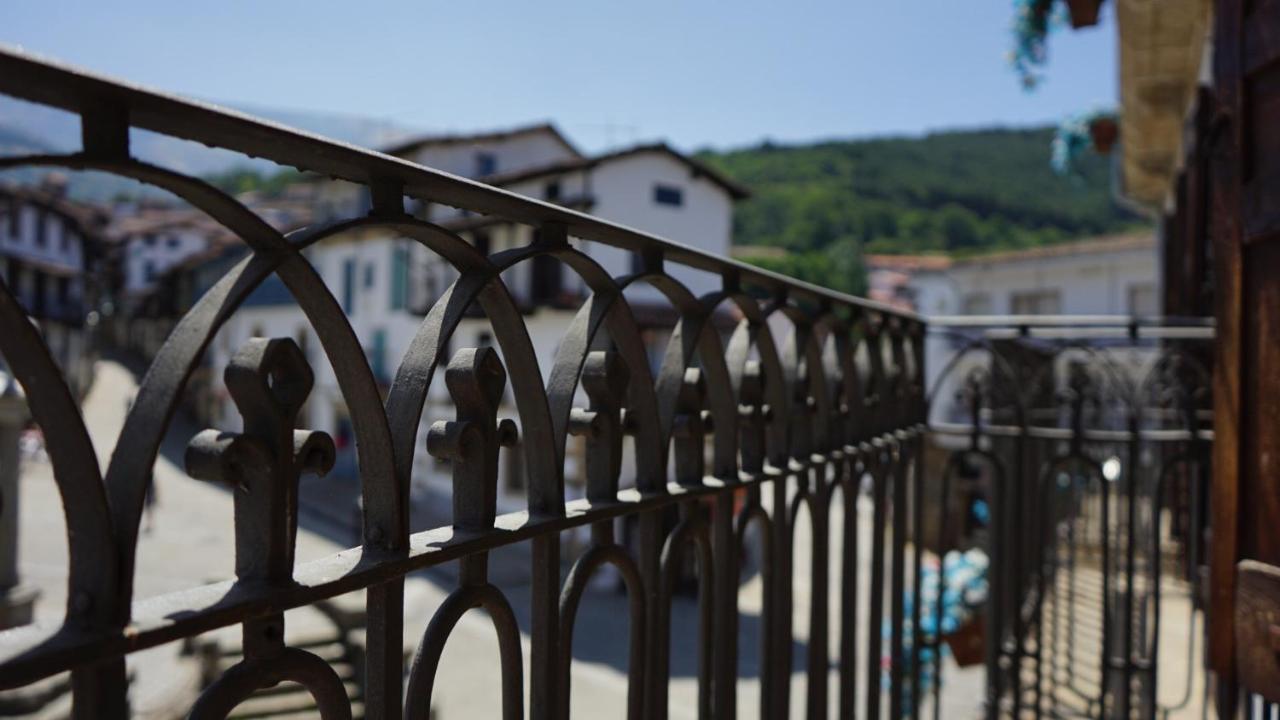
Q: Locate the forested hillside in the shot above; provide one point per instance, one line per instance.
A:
(956, 192)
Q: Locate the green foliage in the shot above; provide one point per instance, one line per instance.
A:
(242, 180)
(955, 192)
(838, 267)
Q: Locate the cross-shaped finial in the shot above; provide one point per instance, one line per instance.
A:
(269, 380)
(604, 378)
(692, 423)
(476, 379)
(753, 414)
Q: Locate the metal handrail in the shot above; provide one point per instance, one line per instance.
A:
(120, 104)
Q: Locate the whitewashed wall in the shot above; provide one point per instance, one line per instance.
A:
(164, 249)
(624, 189)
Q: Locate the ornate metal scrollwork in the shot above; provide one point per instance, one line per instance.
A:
(269, 380)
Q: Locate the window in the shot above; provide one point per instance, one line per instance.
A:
(368, 275)
(484, 339)
(148, 271)
(399, 277)
(378, 355)
(64, 239)
(1142, 300)
(551, 192)
(976, 304)
(15, 216)
(348, 285)
(668, 195)
(483, 243)
(172, 242)
(1036, 302)
(486, 164)
(149, 240)
(41, 221)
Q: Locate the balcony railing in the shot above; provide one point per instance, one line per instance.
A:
(1089, 438)
(733, 436)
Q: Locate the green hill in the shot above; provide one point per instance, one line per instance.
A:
(960, 192)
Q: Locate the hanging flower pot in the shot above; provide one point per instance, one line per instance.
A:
(1084, 13)
(969, 642)
(1104, 131)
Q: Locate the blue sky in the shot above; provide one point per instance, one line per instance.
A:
(697, 73)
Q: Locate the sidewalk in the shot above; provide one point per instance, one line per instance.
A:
(191, 543)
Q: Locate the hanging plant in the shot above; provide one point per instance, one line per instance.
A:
(1097, 129)
(1032, 20)
(1084, 13)
(1105, 131)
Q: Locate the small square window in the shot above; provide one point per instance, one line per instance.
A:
(172, 242)
(1143, 300)
(486, 164)
(1036, 302)
(551, 193)
(668, 195)
(976, 304)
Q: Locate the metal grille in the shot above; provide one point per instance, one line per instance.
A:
(1090, 438)
(786, 422)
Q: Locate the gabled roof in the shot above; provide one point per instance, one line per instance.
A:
(90, 218)
(1141, 240)
(697, 167)
(408, 147)
(1122, 242)
(908, 263)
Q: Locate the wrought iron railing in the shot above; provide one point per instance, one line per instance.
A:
(1089, 437)
(786, 423)
(1085, 439)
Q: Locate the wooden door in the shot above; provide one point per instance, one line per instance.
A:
(1245, 139)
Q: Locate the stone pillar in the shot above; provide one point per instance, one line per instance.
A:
(16, 600)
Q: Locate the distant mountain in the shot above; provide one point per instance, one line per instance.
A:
(961, 192)
(14, 141)
(31, 128)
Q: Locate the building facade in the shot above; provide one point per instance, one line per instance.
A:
(50, 247)
(1114, 275)
(386, 283)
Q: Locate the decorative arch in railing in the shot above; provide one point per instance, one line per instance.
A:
(1076, 428)
(795, 418)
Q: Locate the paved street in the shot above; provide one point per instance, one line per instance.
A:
(189, 542)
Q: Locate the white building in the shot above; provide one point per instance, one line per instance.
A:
(49, 248)
(152, 241)
(386, 284)
(1114, 275)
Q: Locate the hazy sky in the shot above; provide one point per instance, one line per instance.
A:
(695, 72)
